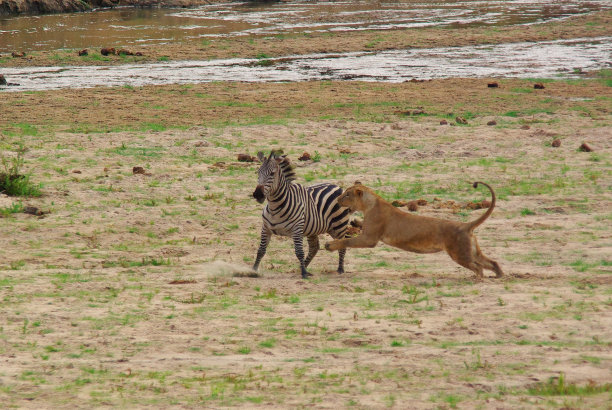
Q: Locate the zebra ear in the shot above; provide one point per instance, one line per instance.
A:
(261, 156)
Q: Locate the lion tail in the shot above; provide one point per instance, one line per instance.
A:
(474, 224)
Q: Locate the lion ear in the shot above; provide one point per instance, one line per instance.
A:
(357, 182)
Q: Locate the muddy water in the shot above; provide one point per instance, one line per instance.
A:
(552, 59)
(127, 26)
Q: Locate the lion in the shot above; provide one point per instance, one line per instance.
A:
(384, 222)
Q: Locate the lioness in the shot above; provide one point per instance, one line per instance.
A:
(384, 222)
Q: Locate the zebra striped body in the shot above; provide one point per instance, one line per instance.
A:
(296, 211)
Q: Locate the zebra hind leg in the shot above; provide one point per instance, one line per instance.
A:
(313, 248)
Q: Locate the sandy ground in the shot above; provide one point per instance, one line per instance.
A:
(134, 290)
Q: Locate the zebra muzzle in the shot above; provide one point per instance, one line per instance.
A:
(258, 194)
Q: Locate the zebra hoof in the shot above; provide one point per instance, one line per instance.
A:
(306, 275)
(340, 271)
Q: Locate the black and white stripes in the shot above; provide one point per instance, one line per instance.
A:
(296, 211)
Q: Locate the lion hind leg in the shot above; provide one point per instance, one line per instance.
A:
(491, 265)
(465, 254)
(484, 261)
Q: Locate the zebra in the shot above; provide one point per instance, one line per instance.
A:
(296, 211)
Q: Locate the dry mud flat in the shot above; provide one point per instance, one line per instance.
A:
(133, 289)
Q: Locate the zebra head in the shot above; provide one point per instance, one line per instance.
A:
(268, 176)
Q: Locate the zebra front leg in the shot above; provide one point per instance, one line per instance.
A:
(263, 245)
(313, 248)
(299, 252)
(341, 253)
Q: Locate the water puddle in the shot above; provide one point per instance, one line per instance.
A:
(552, 59)
(125, 27)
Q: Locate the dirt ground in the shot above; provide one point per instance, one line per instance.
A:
(133, 289)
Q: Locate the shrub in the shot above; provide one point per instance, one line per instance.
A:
(12, 181)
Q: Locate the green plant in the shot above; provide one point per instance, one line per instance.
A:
(414, 295)
(557, 386)
(12, 181)
(244, 350)
(15, 208)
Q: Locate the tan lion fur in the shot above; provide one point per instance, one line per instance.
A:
(384, 222)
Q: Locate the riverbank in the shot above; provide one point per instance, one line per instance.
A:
(17, 7)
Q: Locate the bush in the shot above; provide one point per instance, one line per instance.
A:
(12, 181)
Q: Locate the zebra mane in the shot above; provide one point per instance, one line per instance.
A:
(285, 164)
(287, 168)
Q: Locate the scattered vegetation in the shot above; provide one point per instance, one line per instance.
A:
(127, 254)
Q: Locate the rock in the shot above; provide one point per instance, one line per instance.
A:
(492, 85)
(417, 111)
(32, 210)
(15, 54)
(124, 52)
(585, 147)
(305, 157)
(245, 158)
(538, 86)
(491, 123)
(556, 143)
(83, 52)
(413, 206)
(2, 80)
(443, 122)
(461, 120)
(182, 282)
(138, 170)
(107, 51)
(525, 127)
(478, 205)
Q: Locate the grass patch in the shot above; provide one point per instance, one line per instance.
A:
(557, 386)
